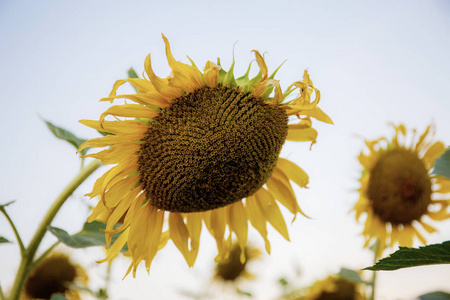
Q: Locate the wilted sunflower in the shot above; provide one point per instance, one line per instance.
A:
(199, 147)
(334, 288)
(55, 274)
(398, 190)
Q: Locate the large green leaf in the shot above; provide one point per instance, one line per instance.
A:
(67, 136)
(435, 296)
(413, 257)
(4, 240)
(91, 235)
(442, 164)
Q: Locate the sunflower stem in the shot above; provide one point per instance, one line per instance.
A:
(30, 251)
(376, 249)
(16, 232)
(2, 296)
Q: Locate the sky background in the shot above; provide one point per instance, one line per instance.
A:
(374, 62)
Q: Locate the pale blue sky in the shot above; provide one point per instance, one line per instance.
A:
(373, 61)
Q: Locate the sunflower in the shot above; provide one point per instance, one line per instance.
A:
(199, 147)
(55, 274)
(234, 267)
(398, 190)
(334, 288)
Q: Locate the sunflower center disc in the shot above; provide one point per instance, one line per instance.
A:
(210, 148)
(399, 187)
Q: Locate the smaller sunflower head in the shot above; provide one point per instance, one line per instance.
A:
(397, 189)
(234, 267)
(56, 274)
(334, 288)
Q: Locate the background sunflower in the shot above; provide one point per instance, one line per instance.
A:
(59, 58)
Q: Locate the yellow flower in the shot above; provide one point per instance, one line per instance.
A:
(234, 267)
(334, 288)
(397, 190)
(199, 147)
(55, 274)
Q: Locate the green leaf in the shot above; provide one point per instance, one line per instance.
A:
(442, 164)
(58, 297)
(351, 275)
(91, 235)
(4, 240)
(413, 257)
(67, 136)
(435, 296)
(243, 293)
(283, 281)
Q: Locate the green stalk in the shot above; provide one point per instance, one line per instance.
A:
(16, 233)
(28, 256)
(374, 274)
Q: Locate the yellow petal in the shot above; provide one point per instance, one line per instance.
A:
(129, 110)
(186, 77)
(118, 245)
(116, 153)
(179, 234)
(271, 211)
(318, 114)
(293, 172)
(161, 85)
(436, 150)
(215, 223)
(419, 236)
(117, 127)
(257, 219)
(261, 64)
(194, 226)
(211, 74)
(237, 220)
(298, 134)
(143, 99)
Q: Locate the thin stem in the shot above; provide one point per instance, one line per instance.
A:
(374, 274)
(16, 233)
(27, 259)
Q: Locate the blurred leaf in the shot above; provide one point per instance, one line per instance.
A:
(2, 206)
(435, 296)
(283, 281)
(3, 240)
(102, 294)
(132, 73)
(67, 136)
(351, 275)
(412, 257)
(442, 164)
(90, 236)
(243, 293)
(58, 297)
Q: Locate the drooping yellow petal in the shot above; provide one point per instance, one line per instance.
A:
(215, 223)
(115, 153)
(436, 150)
(144, 99)
(179, 234)
(194, 226)
(118, 245)
(293, 172)
(257, 219)
(115, 127)
(238, 222)
(261, 64)
(271, 211)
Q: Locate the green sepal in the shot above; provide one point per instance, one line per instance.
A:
(413, 257)
(244, 78)
(248, 86)
(229, 79)
(267, 92)
(132, 73)
(4, 240)
(222, 72)
(442, 164)
(67, 136)
(435, 296)
(91, 235)
(272, 76)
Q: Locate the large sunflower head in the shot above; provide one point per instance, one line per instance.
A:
(398, 192)
(199, 147)
(56, 274)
